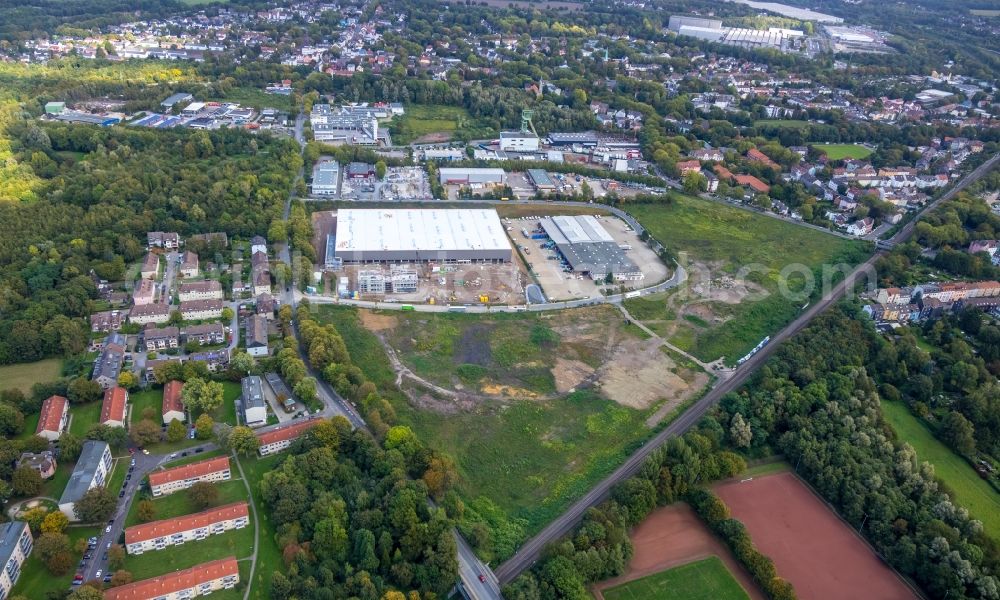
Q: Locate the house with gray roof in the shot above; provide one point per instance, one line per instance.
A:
(91, 470)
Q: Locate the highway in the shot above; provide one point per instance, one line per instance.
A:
(564, 524)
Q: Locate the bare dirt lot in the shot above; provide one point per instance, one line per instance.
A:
(810, 546)
(639, 373)
(672, 536)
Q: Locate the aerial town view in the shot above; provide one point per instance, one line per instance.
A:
(500, 299)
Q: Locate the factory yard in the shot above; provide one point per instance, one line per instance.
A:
(448, 281)
(404, 183)
(811, 547)
(543, 261)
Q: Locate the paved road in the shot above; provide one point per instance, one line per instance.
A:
(470, 569)
(564, 524)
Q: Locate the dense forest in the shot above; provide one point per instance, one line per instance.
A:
(352, 524)
(817, 403)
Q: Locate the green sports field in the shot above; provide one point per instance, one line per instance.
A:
(706, 579)
(842, 151)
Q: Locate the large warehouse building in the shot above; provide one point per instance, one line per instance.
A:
(420, 235)
(589, 248)
(472, 175)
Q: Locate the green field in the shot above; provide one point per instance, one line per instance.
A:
(83, 416)
(178, 503)
(842, 151)
(706, 579)
(268, 554)
(982, 501)
(780, 123)
(253, 97)
(528, 459)
(238, 543)
(421, 120)
(25, 375)
(36, 581)
(720, 240)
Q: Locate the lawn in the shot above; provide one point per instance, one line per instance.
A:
(30, 425)
(83, 416)
(268, 554)
(780, 123)
(238, 543)
(706, 579)
(982, 501)
(719, 240)
(37, 582)
(25, 375)
(178, 503)
(253, 97)
(146, 399)
(421, 120)
(842, 151)
(53, 486)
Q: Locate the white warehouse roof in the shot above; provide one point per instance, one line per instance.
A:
(418, 232)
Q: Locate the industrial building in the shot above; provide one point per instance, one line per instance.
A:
(518, 141)
(713, 31)
(355, 125)
(583, 138)
(472, 175)
(326, 174)
(420, 235)
(541, 180)
(588, 248)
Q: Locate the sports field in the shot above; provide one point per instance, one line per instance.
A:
(25, 375)
(971, 492)
(811, 547)
(842, 151)
(706, 579)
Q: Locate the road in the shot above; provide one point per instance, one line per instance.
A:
(564, 524)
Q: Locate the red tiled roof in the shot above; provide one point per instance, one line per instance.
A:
(52, 412)
(113, 408)
(183, 472)
(723, 172)
(287, 432)
(156, 529)
(754, 183)
(172, 397)
(174, 582)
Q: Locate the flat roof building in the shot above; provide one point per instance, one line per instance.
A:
(326, 175)
(91, 471)
(421, 235)
(471, 175)
(541, 180)
(518, 141)
(589, 248)
(254, 406)
(583, 138)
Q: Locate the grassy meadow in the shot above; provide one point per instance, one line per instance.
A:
(842, 151)
(706, 579)
(24, 375)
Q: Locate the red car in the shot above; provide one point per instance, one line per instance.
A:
(482, 578)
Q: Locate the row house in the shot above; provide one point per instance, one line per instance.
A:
(109, 362)
(145, 314)
(204, 334)
(198, 310)
(53, 418)
(158, 535)
(200, 290)
(107, 321)
(160, 338)
(280, 438)
(179, 478)
(199, 580)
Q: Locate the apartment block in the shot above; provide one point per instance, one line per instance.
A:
(279, 439)
(199, 580)
(157, 535)
(15, 546)
(180, 478)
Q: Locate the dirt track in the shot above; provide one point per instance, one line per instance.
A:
(673, 536)
(812, 548)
